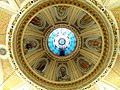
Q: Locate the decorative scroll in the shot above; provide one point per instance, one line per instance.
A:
(61, 12)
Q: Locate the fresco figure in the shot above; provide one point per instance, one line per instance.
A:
(63, 74)
(86, 20)
(41, 65)
(36, 21)
(94, 43)
(30, 45)
(84, 64)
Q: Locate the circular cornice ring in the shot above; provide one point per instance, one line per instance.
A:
(109, 51)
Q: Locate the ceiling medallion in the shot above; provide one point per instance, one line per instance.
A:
(63, 45)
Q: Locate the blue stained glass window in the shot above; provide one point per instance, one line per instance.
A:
(62, 41)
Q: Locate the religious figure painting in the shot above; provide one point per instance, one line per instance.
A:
(84, 64)
(62, 74)
(30, 45)
(38, 22)
(84, 21)
(94, 43)
(41, 66)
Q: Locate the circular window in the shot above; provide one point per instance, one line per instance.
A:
(62, 41)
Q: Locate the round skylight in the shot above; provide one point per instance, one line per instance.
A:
(62, 41)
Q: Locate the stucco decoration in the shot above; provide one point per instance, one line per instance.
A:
(3, 52)
(61, 12)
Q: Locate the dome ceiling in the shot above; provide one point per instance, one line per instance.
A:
(63, 44)
(68, 43)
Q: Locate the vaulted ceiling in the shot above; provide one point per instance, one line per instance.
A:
(11, 79)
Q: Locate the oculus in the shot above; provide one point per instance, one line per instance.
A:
(62, 41)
